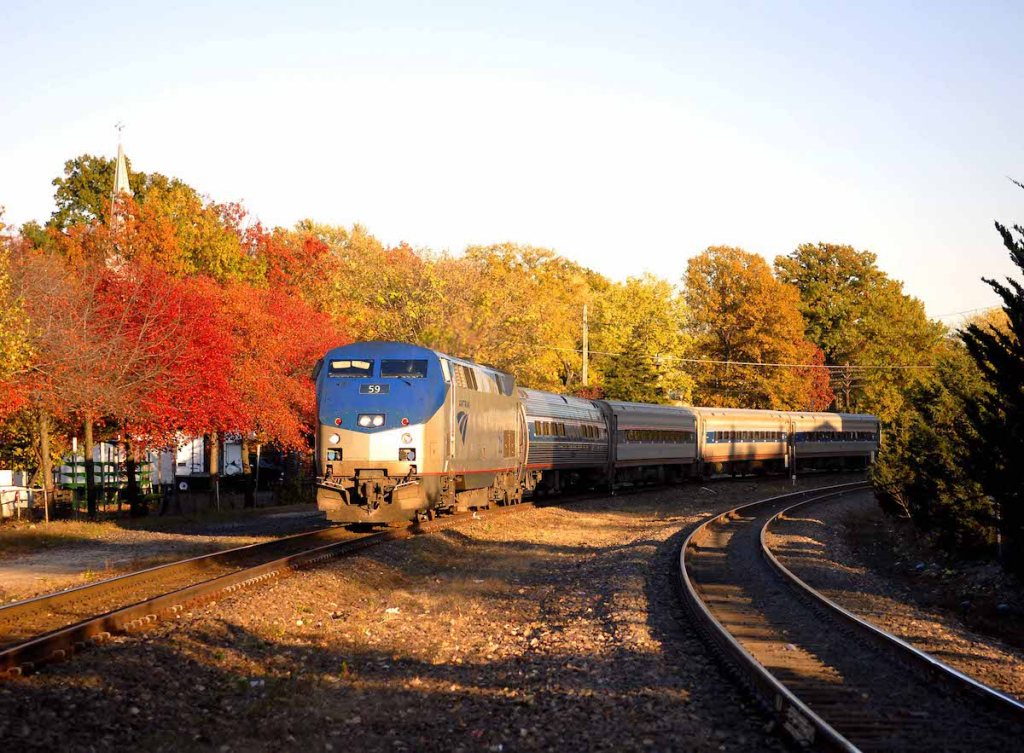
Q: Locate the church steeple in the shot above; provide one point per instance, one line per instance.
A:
(121, 185)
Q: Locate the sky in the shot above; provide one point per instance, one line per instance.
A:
(626, 136)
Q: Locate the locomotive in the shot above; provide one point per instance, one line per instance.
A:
(406, 431)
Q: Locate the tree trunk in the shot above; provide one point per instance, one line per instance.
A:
(215, 469)
(45, 463)
(136, 505)
(91, 495)
(248, 484)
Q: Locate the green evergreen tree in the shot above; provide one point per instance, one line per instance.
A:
(923, 471)
(997, 458)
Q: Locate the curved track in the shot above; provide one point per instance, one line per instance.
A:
(834, 681)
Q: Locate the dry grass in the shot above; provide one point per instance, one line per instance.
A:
(21, 538)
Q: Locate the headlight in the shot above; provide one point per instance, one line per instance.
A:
(334, 439)
(370, 419)
(378, 420)
(407, 439)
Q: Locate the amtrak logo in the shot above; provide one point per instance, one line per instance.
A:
(463, 420)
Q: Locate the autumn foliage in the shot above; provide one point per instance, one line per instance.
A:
(169, 314)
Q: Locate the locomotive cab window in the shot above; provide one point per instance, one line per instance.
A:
(405, 368)
(351, 368)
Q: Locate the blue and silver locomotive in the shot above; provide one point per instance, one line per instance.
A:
(405, 430)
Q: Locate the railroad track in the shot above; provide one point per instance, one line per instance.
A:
(834, 681)
(53, 627)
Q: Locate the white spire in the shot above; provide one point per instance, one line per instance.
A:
(121, 185)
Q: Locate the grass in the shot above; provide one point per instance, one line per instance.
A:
(23, 538)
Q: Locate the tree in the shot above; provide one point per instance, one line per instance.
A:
(518, 308)
(923, 470)
(740, 313)
(836, 284)
(83, 193)
(642, 320)
(381, 293)
(177, 366)
(997, 414)
(861, 319)
(277, 338)
(14, 347)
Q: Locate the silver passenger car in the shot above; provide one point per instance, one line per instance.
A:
(568, 439)
(651, 442)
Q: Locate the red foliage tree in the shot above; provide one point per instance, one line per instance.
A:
(277, 339)
(818, 380)
(176, 359)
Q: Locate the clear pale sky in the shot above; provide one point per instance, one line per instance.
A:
(626, 136)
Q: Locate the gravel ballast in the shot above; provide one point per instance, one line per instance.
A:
(555, 627)
(825, 545)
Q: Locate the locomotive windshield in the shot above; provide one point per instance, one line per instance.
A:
(406, 368)
(351, 368)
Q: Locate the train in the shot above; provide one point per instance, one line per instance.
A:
(405, 432)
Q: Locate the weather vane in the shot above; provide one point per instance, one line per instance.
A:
(120, 127)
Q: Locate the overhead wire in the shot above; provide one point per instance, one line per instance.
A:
(713, 361)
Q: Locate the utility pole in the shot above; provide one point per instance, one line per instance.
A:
(586, 348)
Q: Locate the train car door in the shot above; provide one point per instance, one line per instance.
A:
(791, 448)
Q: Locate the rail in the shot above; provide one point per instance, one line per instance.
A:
(843, 686)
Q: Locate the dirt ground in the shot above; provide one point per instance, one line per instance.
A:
(879, 570)
(553, 628)
(41, 558)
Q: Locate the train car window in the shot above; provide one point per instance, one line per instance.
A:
(404, 368)
(345, 367)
